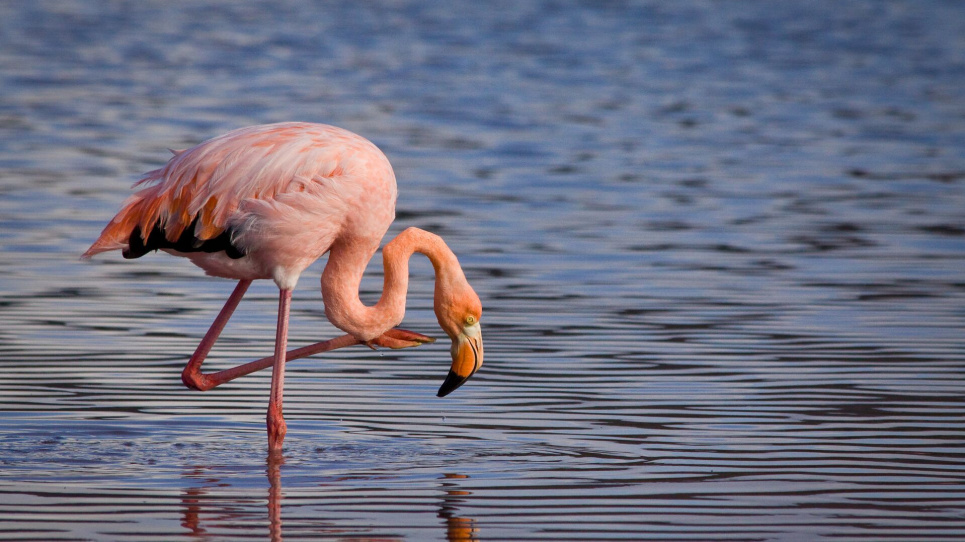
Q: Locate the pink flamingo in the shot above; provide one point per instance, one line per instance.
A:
(264, 202)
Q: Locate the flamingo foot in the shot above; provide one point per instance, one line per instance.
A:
(401, 338)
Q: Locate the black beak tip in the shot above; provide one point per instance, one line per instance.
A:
(452, 382)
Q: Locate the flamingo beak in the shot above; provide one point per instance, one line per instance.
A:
(467, 358)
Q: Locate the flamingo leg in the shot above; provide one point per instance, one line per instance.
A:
(214, 380)
(195, 379)
(393, 338)
(192, 376)
(276, 422)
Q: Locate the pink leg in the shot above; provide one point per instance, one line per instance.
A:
(195, 379)
(276, 422)
(191, 376)
(393, 338)
(213, 380)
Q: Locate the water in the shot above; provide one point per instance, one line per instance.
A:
(720, 247)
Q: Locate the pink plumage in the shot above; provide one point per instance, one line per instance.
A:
(284, 191)
(264, 202)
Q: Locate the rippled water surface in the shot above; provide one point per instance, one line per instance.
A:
(720, 247)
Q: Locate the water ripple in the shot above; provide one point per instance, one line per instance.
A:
(720, 249)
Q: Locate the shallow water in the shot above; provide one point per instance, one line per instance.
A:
(720, 248)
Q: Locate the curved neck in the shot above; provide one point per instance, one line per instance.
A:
(343, 275)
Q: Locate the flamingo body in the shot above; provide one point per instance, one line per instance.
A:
(264, 202)
(274, 197)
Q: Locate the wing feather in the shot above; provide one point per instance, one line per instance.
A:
(204, 186)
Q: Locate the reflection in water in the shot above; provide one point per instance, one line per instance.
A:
(275, 461)
(199, 506)
(208, 514)
(202, 513)
(192, 505)
(457, 528)
(205, 512)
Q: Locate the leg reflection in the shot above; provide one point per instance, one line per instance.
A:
(213, 507)
(192, 506)
(275, 461)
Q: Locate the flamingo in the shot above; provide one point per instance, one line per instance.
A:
(264, 202)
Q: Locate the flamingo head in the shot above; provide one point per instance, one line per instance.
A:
(458, 310)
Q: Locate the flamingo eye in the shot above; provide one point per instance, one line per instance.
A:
(470, 320)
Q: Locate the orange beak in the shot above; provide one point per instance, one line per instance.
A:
(467, 358)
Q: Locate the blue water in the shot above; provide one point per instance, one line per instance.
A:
(720, 248)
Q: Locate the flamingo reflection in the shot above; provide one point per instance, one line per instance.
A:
(202, 513)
